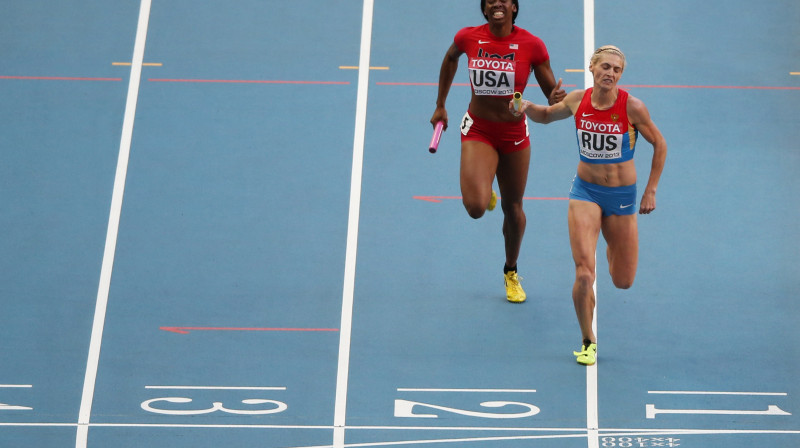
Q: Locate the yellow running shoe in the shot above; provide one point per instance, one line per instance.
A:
(492, 201)
(514, 291)
(588, 354)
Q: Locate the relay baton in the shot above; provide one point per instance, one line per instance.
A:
(437, 135)
(517, 101)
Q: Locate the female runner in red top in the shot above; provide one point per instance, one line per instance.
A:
(603, 195)
(494, 142)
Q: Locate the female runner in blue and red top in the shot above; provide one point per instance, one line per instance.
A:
(603, 196)
(494, 142)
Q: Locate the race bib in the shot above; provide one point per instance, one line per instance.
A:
(597, 146)
(466, 123)
(492, 76)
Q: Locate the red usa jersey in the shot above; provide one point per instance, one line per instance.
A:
(500, 66)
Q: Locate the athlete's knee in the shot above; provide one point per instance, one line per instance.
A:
(511, 207)
(622, 275)
(623, 282)
(623, 279)
(621, 268)
(474, 210)
(584, 276)
(513, 211)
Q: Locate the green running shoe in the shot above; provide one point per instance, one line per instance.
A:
(588, 354)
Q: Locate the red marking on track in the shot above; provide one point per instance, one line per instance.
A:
(460, 84)
(438, 199)
(646, 86)
(628, 86)
(59, 78)
(247, 81)
(186, 330)
(416, 84)
(435, 198)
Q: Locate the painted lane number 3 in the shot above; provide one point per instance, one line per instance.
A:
(263, 407)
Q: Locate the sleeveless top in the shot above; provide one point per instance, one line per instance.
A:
(605, 136)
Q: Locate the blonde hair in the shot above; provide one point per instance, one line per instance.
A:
(610, 49)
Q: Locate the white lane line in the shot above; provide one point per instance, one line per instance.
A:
(87, 397)
(592, 415)
(686, 392)
(588, 40)
(408, 389)
(343, 372)
(215, 387)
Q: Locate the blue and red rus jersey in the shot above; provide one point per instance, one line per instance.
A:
(605, 136)
(500, 66)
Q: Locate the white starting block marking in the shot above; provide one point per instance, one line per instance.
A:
(9, 407)
(772, 409)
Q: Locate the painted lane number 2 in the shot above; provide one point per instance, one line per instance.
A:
(504, 409)
(405, 408)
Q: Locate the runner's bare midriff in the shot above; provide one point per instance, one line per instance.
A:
(492, 108)
(608, 174)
